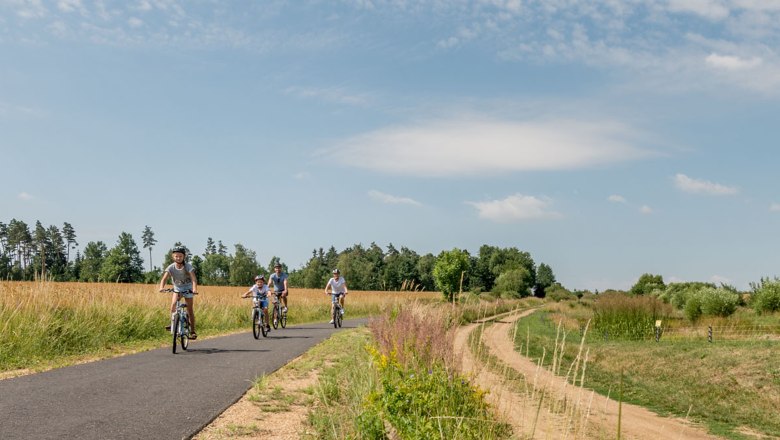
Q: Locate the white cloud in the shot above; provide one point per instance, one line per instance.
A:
(732, 62)
(469, 147)
(301, 175)
(644, 209)
(696, 186)
(774, 207)
(69, 5)
(517, 207)
(134, 22)
(329, 94)
(710, 9)
(718, 279)
(392, 200)
(616, 198)
(24, 196)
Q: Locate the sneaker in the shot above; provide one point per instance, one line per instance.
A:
(193, 336)
(284, 309)
(268, 328)
(331, 322)
(342, 312)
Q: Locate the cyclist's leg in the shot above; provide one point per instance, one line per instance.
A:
(191, 314)
(264, 305)
(284, 299)
(174, 299)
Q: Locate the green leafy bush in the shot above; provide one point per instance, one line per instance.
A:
(766, 296)
(692, 307)
(718, 302)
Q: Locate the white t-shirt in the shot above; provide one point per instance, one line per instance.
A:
(337, 286)
(260, 292)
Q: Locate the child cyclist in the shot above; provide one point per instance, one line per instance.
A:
(338, 291)
(260, 293)
(185, 283)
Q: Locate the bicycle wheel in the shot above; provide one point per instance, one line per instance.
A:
(263, 324)
(184, 334)
(335, 317)
(256, 324)
(283, 321)
(339, 318)
(275, 321)
(175, 328)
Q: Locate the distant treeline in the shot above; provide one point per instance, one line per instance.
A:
(45, 253)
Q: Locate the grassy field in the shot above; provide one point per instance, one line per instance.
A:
(732, 386)
(47, 324)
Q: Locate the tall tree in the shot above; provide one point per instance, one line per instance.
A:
(92, 262)
(148, 240)
(70, 239)
(123, 264)
(243, 266)
(58, 262)
(211, 247)
(647, 283)
(544, 279)
(40, 238)
(221, 248)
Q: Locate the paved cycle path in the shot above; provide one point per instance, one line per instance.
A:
(154, 394)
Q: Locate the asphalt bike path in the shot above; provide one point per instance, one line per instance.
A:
(153, 394)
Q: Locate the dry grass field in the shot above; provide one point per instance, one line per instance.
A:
(45, 322)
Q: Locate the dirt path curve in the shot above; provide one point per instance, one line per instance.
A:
(513, 407)
(636, 422)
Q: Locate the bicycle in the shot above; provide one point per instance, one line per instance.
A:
(280, 314)
(180, 325)
(337, 314)
(259, 325)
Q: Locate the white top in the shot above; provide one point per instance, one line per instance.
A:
(337, 286)
(260, 292)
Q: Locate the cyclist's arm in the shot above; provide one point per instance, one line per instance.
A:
(285, 286)
(246, 294)
(345, 288)
(165, 276)
(194, 279)
(326, 287)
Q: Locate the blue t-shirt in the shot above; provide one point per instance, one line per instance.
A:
(278, 281)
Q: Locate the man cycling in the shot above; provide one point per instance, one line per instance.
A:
(185, 283)
(259, 292)
(279, 281)
(338, 291)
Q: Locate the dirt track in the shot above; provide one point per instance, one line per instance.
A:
(594, 415)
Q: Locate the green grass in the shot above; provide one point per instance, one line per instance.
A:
(727, 385)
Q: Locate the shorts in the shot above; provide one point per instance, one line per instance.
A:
(335, 296)
(186, 293)
(263, 302)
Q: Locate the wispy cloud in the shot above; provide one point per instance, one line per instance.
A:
(697, 186)
(391, 199)
(732, 62)
(24, 196)
(644, 209)
(774, 207)
(330, 94)
(479, 147)
(517, 207)
(614, 198)
(719, 279)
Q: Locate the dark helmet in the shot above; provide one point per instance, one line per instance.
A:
(259, 277)
(335, 271)
(179, 249)
(279, 265)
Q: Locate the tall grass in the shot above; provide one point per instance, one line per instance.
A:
(45, 321)
(629, 317)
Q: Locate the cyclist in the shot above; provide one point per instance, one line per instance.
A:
(338, 291)
(185, 283)
(260, 293)
(279, 280)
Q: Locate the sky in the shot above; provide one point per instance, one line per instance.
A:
(606, 138)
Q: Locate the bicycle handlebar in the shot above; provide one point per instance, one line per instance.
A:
(171, 290)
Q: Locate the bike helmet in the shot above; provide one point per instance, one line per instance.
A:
(259, 277)
(335, 271)
(279, 265)
(179, 249)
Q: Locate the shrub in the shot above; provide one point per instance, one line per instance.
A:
(693, 307)
(512, 283)
(766, 296)
(718, 302)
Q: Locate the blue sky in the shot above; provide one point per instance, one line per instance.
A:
(607, 138)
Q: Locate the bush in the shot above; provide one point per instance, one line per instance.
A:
(766, 296)
(718, 302)
(693, 307)
(512, 284)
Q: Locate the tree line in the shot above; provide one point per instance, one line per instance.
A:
(45, 253)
